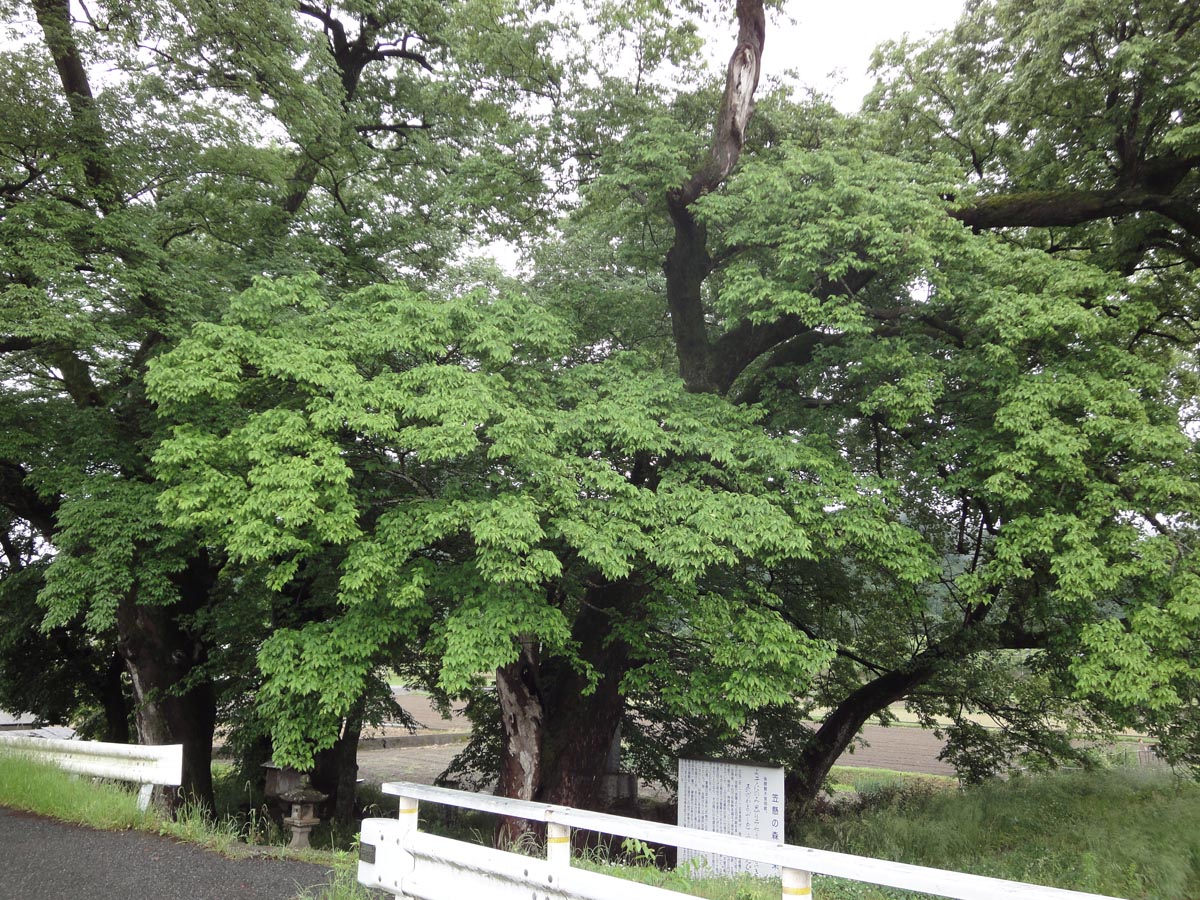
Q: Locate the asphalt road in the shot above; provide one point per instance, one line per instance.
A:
(48, 860)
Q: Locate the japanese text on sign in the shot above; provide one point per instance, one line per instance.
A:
(745, 799)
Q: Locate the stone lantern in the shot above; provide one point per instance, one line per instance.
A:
(303, 800)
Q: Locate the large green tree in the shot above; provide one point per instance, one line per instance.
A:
(1018, 392)
(795, 413)
(911, 453)
(1022, 390)
(157, 156)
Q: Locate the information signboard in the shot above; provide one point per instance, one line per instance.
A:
(730, 797)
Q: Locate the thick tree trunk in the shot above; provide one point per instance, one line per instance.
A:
(336, 770)
(579, 729)
(843, 724)
(522, 719)
(686, 266)
(522, 713)
(154, 652)
(556, 735)
(172, 705)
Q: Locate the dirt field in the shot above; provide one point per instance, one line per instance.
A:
(392, 755)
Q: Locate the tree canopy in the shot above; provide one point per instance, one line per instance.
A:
(788, 415)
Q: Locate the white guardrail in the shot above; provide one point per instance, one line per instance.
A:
(143, 764)
(394, 856)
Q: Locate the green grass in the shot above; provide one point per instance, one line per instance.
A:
(344, 885)
(1124, 833)
(744, 888)
(38, 787)
(1131, 833)
(866, 780)
(41, 788)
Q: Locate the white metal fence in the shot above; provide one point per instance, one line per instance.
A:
(398, 858)
(143, 764)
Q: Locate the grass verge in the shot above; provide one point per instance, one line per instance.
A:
(1125, 833)
(1131, 833)
(41, 788)
(865, 780)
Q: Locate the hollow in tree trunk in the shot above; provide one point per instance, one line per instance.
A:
(556, 730)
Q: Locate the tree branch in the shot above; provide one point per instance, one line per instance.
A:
(1156, 185)
(16, 344)
(1048, 209)
(383, 128)
(737, 105)
(688, 263)
(385, 51)
(735, 350)
(77, 379)
(23, 501)
(54, 18)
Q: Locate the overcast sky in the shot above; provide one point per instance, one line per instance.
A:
(837, 36)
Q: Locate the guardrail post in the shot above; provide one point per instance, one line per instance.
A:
(558, 844)
(402, 864)
(408, 814)
(796, 883)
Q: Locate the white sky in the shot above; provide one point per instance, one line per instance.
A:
(837, 36)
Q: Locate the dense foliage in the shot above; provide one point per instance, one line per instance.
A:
(788, 414)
